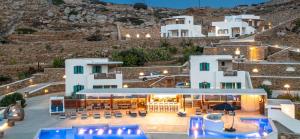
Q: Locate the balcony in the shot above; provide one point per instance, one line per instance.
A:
(105, 76)
(230, 73)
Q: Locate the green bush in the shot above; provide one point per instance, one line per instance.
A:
(58, 63)
(12, 99)
(158, 55)
(131, 57)
(25, 31)
(193, 50)
(267, 89)
(57, 2)
(186, 43)
(4, 78)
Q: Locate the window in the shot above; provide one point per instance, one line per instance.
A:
(98, 86)
(97, 69)
(104, 86)
(204, 85)
(222, 63)
(231, 85)
(77, 88)
(78, 69)
(204, 66)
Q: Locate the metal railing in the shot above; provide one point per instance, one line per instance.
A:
(230, 73)
(105, 76)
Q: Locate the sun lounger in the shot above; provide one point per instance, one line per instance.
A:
(84, 115)
(107, 114)
(133, 113)
(96, 115)
(198, 111)
(62, 116)
(81, 110)
(73, 115)
(142, 113)
(181, 114)
(118, 114)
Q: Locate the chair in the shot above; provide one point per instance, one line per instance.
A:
(62, 116)
(107, 114)
(84, 115)
(181, 114)
(118, 114)
(132, 113)
(142, 113)
(198, 111)
(96, 115)
(73, 115)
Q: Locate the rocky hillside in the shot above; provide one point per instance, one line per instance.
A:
(36, 31)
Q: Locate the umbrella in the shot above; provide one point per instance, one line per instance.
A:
(224, 106)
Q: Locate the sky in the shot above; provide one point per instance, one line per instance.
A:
(181, 4)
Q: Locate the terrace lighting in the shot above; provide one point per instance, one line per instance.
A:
(137, 35)
(30, 80)
(100, 132)
(127, 36)
(125, 86)
(255, 70)
(141, 73)
(298, 50)
(148, 35)
(64, 76)
(237, 51)
(7, 87)
(287, 86)
(165, 71)
(276, 45)
(46, 90)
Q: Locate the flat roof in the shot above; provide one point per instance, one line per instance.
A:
(187, 91)
(105, 63)
(279, 101)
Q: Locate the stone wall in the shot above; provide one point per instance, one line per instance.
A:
(55, 88)
(277, 83)
(12, 87)
(249, 52)
(133, 72)
(50, 75)
(269, 68)
(154, 32)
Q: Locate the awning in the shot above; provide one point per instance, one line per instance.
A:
(185, 91)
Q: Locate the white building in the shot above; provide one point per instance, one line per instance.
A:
(215, 72)
(236, 25)
(181, 26)
(91, 73)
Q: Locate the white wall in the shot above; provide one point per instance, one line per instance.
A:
(213, 76)
(193, 30)
(87, 78)
(285, 120)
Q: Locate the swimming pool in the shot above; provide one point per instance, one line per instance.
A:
(93, 132)
(196, 129)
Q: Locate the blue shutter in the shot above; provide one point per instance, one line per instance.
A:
(75, 69)
(207, 66)
(201, 67)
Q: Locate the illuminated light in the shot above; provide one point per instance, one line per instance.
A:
(119, 132)
(64, 76)
(165, 71)
(7, 87)
(141, 73)
(237, 51)
(197, 126)
(129, 132)
(298, 50)
(137, 35)
(57, 131)
(100, 132)
(196, 133)
(148, 35)
(109, 131)
(125, 86)
(276, 45)
(251, 48)
(90, 131)
(138, 132)
(81, 131)
(287, 86)
(30, 80)
(255, 70)
(127, 36)
(224, 49)
(265, 134)
(46, 90)
(3, 127)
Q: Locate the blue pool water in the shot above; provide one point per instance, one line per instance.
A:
(94, 132)
(182, 4)
(196, 130)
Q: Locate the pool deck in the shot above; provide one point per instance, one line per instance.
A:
(37, 116)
